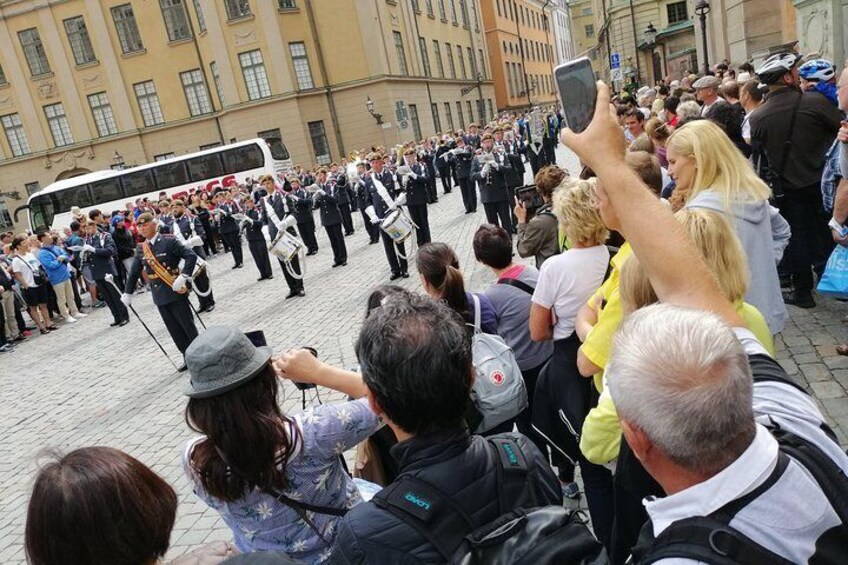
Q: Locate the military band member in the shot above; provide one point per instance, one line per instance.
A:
(417, 192)
(189, 230)
(326, 199)
(339, 178)
(489, 170)
(363, 201)
(301, 204)
(165, 218)
(473, 137)
(228, 226)
(463, 156)
(443, 164)
(426, 156)
(382, 201)
(276, 208)
(99, 251)
(256, 242)
(160, 255)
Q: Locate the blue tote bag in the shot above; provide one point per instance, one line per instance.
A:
(834, 281)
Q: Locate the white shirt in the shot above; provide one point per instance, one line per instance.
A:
(567, 281)
(789, 517)
(26, 265)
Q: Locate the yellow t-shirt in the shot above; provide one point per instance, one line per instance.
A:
(601, 435)
(598, 344)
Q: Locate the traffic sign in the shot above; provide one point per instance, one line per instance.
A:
(615, 61)
(617, 75)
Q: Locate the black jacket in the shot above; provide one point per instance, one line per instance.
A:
(441, 163)
(168, 251)
(462, 162)
(492, 188)
(300, 201)
(278, 202)
(253, 228)
(328, 204)
(463, 467)
(816, 126)
(227, 224)
(100, 260)
(374, 198)
(416, 189)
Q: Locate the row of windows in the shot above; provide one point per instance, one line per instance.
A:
(462, 10)
(533, 50)
(194, 87)
(437, 120)
(519, 13)
(174, 15)
(466, 72)
(536, 84)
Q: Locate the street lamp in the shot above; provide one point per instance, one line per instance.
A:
(651, 41)
(702, 8)
(369, 105)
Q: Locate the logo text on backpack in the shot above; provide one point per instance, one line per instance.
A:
(497, 378)
(510, 453)
(416, 500)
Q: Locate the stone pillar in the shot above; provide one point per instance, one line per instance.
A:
(821, 28)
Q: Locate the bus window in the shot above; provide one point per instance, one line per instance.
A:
(74, 196)
(41, 212)
(205, 167)
(241, 159)
(170, 175)
(107, 190)
(137, 183)
(275, 142)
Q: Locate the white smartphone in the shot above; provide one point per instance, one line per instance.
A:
(577, 92)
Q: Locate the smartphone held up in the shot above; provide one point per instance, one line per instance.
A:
(578, 92)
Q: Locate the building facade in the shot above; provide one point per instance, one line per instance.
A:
(622, 27)
(560, 18)
(583, 34)
(822, 28)
(522, 52)
(85, 82)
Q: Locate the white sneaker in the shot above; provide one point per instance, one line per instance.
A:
(81, 315)
(71, 320)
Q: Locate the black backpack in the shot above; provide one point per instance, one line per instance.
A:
(710, 539)
(523, 534)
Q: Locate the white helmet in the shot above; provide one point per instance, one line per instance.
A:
(776, 66)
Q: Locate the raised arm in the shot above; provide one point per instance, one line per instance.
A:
(676, 270)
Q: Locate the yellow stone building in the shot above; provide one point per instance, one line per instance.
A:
(584, 33)
(85, 84)
(522, 52)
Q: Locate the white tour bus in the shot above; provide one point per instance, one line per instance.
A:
(224, 166)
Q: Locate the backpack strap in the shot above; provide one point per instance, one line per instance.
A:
(518, 284)
(477, 315)
(511, 470)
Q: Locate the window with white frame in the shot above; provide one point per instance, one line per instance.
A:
(127, 28)
(34, 52)
(451, 64)
(301, 65)
(237, 9)
(201, 19)
(255, 77)
(79, 40)
(413, 117)
(148, 103)
(101, 111)
(471, 62)
(459, 114)
(57, 121)
(463, 12)
(476, 15)
(320, 144)
(429, 4)
(15, 134)
(401, 52)
(482, 62)
(196, 93)
(216, 78)
(176, 20)
(437, 54)
(677, 12)
(425, 57)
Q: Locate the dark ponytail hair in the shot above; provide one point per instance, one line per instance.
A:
(439, 266)
(247, 445)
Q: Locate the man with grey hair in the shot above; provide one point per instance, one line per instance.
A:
(702, 404)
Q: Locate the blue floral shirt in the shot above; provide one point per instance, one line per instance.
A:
(260, 522)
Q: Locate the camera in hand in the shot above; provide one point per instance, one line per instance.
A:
(257, 338)
(529, 198)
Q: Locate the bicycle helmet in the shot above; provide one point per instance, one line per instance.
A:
(817, 70)
(773, 68)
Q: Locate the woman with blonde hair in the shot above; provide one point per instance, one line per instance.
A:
(563, 397)
(600, 441)
(712, 174)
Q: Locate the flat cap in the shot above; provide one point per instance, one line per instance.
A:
(708, 81)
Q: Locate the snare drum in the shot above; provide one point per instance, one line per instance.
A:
(285, 246)
(397, 226)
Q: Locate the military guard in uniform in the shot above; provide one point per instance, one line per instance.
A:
(417, 193)
(363, 201)
(159, 255)
(301, 204)
(381, 191)
(228, 226)
(463, 156)
(339, 178)
(276, 208)
(489, 170)
(326, 199)
(99, 250)
(443, 164)
(188, 229)
(256, 241)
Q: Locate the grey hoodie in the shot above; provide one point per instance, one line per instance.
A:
(764, 235)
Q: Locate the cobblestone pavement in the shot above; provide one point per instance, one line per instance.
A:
(90, 384)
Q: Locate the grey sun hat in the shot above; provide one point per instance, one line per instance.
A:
(220, 359)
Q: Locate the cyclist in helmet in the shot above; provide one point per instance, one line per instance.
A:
(795, 148)
(819, 75)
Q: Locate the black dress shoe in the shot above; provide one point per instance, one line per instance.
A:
(234, 267)
(124, 322)
(336, 265)
(240, 265)
(344, 263)
(308, 253)
(394, 276)
(210, 308)
(183, 368)
(115, 324)
(405, 275)
(261, 279)
(804, 300)
(301, 292)
(373, 241)
(291, 294)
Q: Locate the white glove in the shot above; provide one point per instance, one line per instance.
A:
(372, 215)
(196, 241)
(413, 176)
(88, 248)
(496, 166)
(393, 206)
(401, 199)
(179, 283)
(485, 170)
(320, 192)
(126, 299)
(375, 220)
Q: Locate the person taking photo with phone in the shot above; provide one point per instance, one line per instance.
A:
(538, 232)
